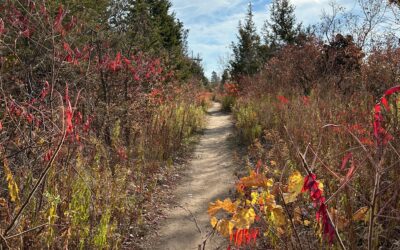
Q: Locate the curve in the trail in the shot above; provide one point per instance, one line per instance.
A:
(209, 177)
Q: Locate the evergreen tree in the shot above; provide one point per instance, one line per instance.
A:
(214, 78)
(150, 26)
(170, 29)
(225, 76)
(142, 31)
(281, 29)
(245, 59)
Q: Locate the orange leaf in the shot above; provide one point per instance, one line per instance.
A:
(226, 205)
(255, 180)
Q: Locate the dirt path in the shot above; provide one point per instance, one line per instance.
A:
(209, 176)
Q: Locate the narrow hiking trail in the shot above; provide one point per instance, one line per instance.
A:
(208, 177)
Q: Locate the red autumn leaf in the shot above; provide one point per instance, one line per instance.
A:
(345, 160)
(78, 53)
(391, 91)
(27, 33)
(385, 103)
(127, 61)
(309, 181)
(68, 113)
(283, 99)
(78, 118)
(2, 29)
(258, 166)
(306, 100)
(71, 24)
(115, 64)
(351, 171)
(45, 90)
(67, 48)
(378, 117)
(68, 119)
(327, 227)
(86, 126)
(48, 155)
(58, 20)
(29, 118)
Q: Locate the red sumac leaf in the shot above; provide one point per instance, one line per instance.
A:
(58, 20)
(391, 91)
(345, 160)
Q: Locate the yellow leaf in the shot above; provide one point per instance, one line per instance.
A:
(226, 205)
(3, 202)
(13, 189)
(360, 214)
(254, 197)
(244, 218)
(213, 221)
(306, 223)
(294, 187)
(277, 216)
(289, 197)
(225, 227)
(296, 182)
(321, 185)
(266, 199)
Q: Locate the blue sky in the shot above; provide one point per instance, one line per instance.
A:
(213, 24)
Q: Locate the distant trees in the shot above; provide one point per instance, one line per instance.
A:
(215, 79)
(225, 76)
(281, 29)
(249, 53)
(152, 27)
(246, 60)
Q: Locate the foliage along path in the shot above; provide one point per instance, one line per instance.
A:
(209, 176)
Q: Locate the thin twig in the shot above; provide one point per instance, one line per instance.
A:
(4, 244)
(290, 218)
(192, 215)
(41, 178)
(27, 231)
(269, 228)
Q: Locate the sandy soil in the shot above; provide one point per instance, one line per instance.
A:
(208, 177)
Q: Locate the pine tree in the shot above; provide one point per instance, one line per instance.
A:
(214, 78)
(225, 76)
(245, 59)
(142, 31)
(281, 29)
(170, 29)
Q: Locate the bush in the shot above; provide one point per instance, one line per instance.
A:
(247, 123)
